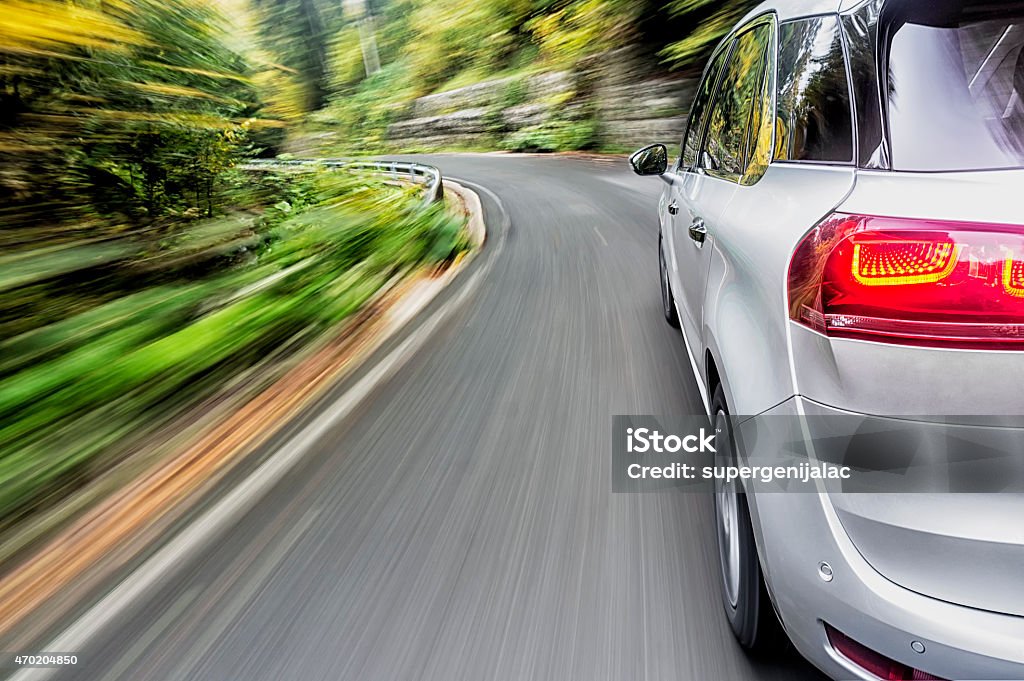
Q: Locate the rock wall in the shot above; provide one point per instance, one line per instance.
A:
(627, 98)
(636, 104)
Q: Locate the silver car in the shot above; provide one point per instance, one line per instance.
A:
(842, 234)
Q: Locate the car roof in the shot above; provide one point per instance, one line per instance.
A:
(794, 9)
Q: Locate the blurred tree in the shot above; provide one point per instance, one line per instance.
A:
(566, 31)
(296, 33)
(705, 21)
(132, 108)
(444, 42)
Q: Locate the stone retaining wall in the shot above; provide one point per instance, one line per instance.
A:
(630, 100)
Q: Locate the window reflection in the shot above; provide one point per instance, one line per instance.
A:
(955, 93)
(814, 118)
(725, 145)
(698, 112)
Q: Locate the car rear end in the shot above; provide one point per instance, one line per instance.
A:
(906, 302)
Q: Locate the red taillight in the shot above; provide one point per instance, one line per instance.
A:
(872, 662)
(919, 282)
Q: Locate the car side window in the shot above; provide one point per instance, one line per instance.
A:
(699, 109)
(726, 145)
(814, 117)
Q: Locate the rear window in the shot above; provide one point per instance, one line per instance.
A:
(955, 85)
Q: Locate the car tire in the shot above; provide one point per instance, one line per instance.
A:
(668, 301)
(745, 598)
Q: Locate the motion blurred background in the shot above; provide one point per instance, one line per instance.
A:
(144, 269)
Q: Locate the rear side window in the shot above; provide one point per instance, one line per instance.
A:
(955, 85)
(699, 110)
(814, 120)
(726, 146)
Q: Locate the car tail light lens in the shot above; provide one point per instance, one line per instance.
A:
(872, 662)
(916, 282)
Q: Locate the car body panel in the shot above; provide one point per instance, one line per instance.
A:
(927, 546)
(884, 379)
(977, 196)
(959, 547)
(698, 197)
(937, 545)
(795, 532)
(744, 301)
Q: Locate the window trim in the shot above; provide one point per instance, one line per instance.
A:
(849, 86)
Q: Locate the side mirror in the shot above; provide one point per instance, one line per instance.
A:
(651, 160)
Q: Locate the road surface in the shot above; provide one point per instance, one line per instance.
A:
(460, 524)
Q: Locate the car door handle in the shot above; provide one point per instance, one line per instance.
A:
(673, 208)
(698, 232)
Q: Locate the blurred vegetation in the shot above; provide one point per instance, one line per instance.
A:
(127, 110)
(141, 268)
(707, 21)
(134, 108)
(555, 135)
(100, 341)
(429, 46)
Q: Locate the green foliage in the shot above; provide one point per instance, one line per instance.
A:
(134, 128)
(431, 46)
(452, 36)
(555, 135)
(145, 336)
(708, 22)
(515, 93)
(346, 60)
(448, 43)
(365, 112)
(568, 31)
(296, 33)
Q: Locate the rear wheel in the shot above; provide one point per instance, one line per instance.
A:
(744, 595)
(668, 303)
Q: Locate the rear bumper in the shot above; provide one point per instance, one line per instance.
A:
(796, 532)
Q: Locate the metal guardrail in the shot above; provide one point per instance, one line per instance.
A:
(398, 170)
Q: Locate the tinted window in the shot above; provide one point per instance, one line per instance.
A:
(955, 86)
(814, 118)
(725, 143)
(699, 109)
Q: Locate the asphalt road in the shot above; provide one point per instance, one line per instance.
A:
(461, 525)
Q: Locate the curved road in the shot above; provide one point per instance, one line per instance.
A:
(460, 524)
